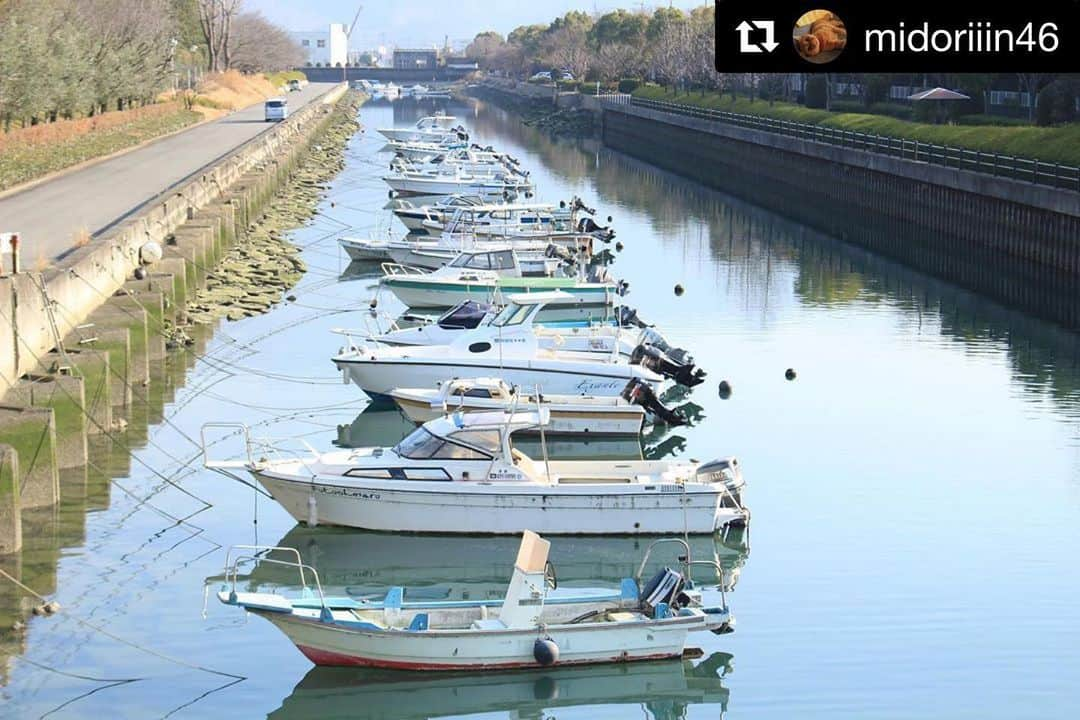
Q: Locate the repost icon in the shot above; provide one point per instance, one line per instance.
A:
(748, 29)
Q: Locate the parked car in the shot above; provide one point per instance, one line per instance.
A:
(566, 75)
(276, 109)
(543, 75)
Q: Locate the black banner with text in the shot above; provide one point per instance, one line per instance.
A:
(911, 36)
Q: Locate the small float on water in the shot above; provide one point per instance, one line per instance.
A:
(532, 626)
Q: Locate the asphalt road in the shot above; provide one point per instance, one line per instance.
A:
(50, 215)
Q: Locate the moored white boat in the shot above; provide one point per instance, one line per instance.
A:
(625, 414)
(461, 474)
(492, 273)
(486, 184)
(646, 621)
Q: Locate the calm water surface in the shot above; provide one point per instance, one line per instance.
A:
(915, 491)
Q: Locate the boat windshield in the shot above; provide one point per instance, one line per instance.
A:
(465, 316)
(512, 314)
(423, 445)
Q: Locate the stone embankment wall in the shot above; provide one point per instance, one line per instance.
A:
(1014, 241)
(80, 341)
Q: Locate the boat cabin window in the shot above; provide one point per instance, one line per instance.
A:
(422, 445)
(512, 314)
(474, 392)
(487, 440)
(479, 261)
(453, 451)
(465, 316)
(502, 260)
(419, 445)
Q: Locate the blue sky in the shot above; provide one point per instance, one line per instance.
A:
(424, 22)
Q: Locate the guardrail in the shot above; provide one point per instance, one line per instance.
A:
(997, 165)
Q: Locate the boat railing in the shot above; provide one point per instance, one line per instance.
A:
(257, 554)
(257, 450)
(686, 560)
(390, 269)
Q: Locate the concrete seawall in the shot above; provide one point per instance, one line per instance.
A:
(1016, 242)
(83, 345)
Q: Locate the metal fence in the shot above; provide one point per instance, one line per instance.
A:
(1024, 169)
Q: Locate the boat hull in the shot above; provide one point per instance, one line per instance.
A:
(436, 507)
(427, 292)
(325, 644)
(627, 420)
(379, 378)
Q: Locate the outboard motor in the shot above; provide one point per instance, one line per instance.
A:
(588, 225)
(679, 355)
(628, 317)
(727, 472)
(560, 252)
(665, 588)
(640, 393)
(655, 359)
(596, 274)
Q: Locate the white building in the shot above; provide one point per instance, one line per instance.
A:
(328, 47)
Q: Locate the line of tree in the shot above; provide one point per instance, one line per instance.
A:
(63, 59)
(677, 50)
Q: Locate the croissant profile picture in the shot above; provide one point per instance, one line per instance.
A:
(820, 36)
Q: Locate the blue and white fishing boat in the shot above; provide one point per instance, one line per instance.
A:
(534, 625)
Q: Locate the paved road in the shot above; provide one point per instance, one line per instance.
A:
(50, 215)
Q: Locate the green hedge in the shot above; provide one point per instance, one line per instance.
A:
(1059, 144)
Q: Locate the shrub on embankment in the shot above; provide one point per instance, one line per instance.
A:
(38, 150)
(1060, 144)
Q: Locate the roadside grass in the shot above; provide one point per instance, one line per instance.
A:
(32, 152)
(278, 79)
(1060, 144)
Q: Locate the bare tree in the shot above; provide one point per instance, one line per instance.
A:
(258, 45)
(216, 19)
(616, 60)
(567, 48)
(671, 53)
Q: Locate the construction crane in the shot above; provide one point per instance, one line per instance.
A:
(348, 36)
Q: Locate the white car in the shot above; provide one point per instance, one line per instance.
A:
(541, 76)
(276, 109)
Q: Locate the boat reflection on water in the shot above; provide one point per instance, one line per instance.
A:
(383, 425)
(454, 567)
(651, 690)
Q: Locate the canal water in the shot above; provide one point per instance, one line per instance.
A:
(915, 489)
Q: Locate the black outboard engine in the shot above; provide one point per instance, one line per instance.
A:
(679, 355)
(656, 360)
(628, 317)
(560, 252)
(588, 225)
(640, 393)
(665, 587)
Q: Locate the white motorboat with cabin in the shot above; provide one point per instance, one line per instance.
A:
(494, 273)
(534, 625)
(425, 150)
(498, 184)
(629, 338)
(507, 347)
(432, 128)
(462, 474)
(625, 414)
(431, 253)
(412, 216)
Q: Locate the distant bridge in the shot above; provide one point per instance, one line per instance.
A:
(382, 74)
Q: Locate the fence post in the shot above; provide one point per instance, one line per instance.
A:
(1035, 172)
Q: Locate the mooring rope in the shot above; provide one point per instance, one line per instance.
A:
(121, 640)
